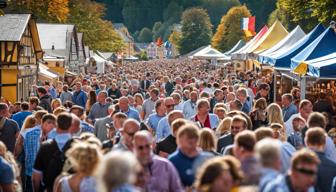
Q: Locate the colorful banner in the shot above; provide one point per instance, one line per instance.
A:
(248, 26)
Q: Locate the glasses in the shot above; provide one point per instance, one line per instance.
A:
(169, 106)
(142, 147)
(306, 171)
(235, 127)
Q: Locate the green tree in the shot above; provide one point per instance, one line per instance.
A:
(87, 16)
(324, 10)
(196, 30)
(145, 35)
(217, 8)
(175, 38)
(114, 8)
(229, 30)
(173, 12)
(282, 15)
(296, 12)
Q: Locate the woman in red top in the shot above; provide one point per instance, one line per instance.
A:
(203, 118)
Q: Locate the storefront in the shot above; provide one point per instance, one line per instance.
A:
(20, 50)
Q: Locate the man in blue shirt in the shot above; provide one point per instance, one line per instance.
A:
(188, 158)
(6, 176)
(125, 108)
(153, 119)
(50, 89)
(79, 97)
(163, 128)
(302, 175)
(315, 140)
(288, 107)
(242, 97)
(100, 108)
(44, 169)
(189, 106)
(19, 117)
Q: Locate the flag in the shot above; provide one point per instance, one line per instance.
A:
(159, 42)
(248, 26)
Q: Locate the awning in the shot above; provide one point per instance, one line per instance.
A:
(241, 53)
(209, 53)
(69, 73)
(321, 47)
(235, 48)
(282, 59)
(43, 70)
(322, 67)
(292, 38)
(274, 34)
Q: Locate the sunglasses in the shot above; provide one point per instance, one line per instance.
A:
(235, 127)
(142, 147)
(306, 171)
(169, 106)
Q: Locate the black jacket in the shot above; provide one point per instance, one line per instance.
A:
(45, 102)
(224, 141)
(326, 173)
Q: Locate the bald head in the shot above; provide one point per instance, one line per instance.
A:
(131, 125)
(75, 124)
(143, 135)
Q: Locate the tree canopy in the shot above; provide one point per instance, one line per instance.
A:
(87, 15)
(196, 30)
(145, 35)
(229, 31)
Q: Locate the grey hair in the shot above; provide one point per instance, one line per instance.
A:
(268, 151)
(118, 168)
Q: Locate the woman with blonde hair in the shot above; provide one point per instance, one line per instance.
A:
(55, 103)
(84, 158)
(208, 141)
(274, 114)
(28, 123)
(38, 115)
(8, 156)
(224, 127)
(59, 110)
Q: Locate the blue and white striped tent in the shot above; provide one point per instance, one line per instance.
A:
(317, 55)
(282, 60)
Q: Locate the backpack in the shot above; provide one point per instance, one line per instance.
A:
(56, 163)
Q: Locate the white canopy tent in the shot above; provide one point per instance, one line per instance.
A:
(211, 54)
(100, 62)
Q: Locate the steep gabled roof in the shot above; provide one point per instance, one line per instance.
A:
(12, 26)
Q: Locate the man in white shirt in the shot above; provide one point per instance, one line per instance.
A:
(305, 109)
(189, 106)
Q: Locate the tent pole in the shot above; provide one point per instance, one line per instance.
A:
(302, 88)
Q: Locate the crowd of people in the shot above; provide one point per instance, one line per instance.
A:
(168, 125)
